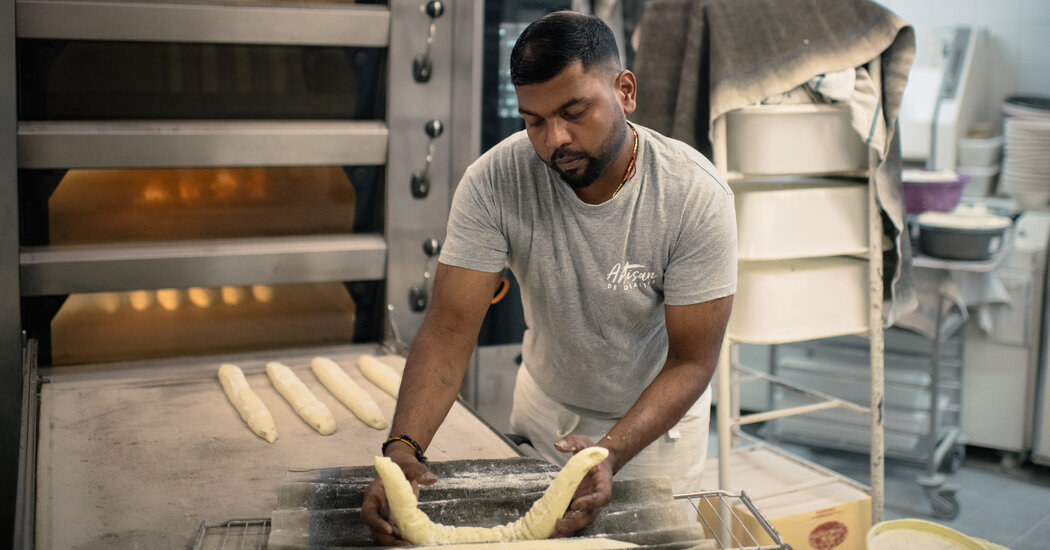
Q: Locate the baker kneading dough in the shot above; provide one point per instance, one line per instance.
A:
(247, 403)
(537, 523)
(380, 374)
(348, 392)
(305, 403)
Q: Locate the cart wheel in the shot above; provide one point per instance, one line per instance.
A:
(944, 503)
(1011, 461)
(954, 460)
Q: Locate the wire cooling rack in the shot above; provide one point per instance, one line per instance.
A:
(726, 516)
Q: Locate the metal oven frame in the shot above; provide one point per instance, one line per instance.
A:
(447, 33)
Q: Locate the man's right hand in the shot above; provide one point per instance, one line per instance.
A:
(375, 510)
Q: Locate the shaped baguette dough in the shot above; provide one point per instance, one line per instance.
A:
(580, 543)
(380, 374)
(349, 392)
(248, 405)
(305, 403)
(537, 523)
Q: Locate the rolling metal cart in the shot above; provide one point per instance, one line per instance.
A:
(839, 267)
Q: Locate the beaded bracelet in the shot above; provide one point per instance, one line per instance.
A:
(416, 447)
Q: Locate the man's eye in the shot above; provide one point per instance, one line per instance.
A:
(572, 115)
(533, 123)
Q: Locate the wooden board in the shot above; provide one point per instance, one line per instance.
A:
(137, 455)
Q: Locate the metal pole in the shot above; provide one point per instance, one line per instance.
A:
(877, 345)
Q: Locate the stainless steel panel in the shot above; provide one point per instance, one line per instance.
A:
(411, 105)
(10, 317)
(100, 474)
(466, 88)
(126, 144)
(303, 24)
(114, 267)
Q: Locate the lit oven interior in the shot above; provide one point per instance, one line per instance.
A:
(88, 80)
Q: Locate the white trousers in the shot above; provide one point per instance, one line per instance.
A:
(678, 454)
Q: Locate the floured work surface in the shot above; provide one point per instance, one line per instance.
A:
(321, 509)
(139, 454)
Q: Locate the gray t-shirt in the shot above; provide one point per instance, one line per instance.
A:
(594, 278)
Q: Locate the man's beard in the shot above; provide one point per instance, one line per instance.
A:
(596, 166)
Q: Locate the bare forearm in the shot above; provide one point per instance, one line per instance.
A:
(695, 334)
(657, 410)
(429, 387)
(440, 352)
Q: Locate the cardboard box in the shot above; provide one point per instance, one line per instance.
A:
(809, 508)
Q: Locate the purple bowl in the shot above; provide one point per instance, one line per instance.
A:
(942, 196)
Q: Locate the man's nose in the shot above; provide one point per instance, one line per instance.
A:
(558, 134)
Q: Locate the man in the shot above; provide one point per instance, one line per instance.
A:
(624, 243)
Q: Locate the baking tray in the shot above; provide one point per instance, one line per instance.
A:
(136, 454)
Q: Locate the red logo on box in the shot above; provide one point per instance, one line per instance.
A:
(828, 535)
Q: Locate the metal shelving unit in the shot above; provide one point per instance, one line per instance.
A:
(732, 373)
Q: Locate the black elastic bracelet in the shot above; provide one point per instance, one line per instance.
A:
(416, 447)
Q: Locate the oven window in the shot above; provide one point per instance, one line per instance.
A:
(92, 206)
(145, 324)
(137, 205)
(87, 80)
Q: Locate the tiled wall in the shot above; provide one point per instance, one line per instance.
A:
(1017, 46)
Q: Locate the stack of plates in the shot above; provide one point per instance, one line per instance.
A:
(1026, 167)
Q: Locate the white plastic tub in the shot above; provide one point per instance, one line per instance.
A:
(980, 180)
(793, 139)
(780, 218)
(793, 300)
(980, 151)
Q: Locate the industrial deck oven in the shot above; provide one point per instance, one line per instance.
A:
(208, 182)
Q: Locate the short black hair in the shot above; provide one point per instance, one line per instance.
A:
(553, 42)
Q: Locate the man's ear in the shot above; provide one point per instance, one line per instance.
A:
(626, 91)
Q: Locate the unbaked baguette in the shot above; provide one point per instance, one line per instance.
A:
(537, 523)
(380, 374)
(305, 403)
(349, 392)
(248, 405)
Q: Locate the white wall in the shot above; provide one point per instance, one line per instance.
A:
(1018, 41)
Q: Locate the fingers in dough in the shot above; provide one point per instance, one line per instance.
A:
(537, 523)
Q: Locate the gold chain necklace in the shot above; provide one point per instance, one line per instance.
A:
(630, 165)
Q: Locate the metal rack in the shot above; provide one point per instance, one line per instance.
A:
(729, 418)
(719, 513)
(237, 533)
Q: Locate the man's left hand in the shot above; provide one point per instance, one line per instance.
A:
(593, 493)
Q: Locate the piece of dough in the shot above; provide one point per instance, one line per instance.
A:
(305, 403)
(349, 392)
(537, 523)
(247, 403)
(578, 543)
(380, 374)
